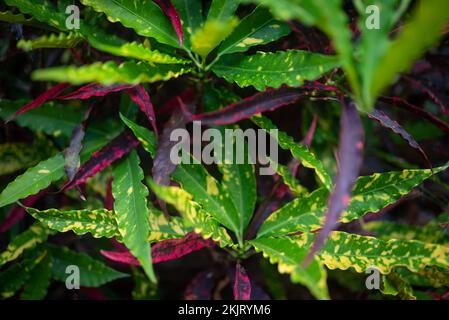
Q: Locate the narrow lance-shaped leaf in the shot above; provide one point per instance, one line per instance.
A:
(145, 17)
(94, 90)
(102, 158)
(191, 15)
(242, 284)
(41, 99)
(273, 69)
(37, 285)
(93, 273)
(389, 123)
(109, 72)
(141, 97)
(168, 8)
(8, 16)
(222, 9)
(147, 138)
(350, 162)
(28, 239)
(130, 205)
(62, 40)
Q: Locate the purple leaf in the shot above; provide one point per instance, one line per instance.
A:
(164, 250)
(242, 284)
(170, 11)
(396, 101)
(95, 90)
(389, 123)
(102, 158)
(201, 286)
(40, 100)
(350, 154)
(17, 213)
(141, 97)
(268, 100)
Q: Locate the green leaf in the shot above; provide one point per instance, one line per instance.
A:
(209, 36)
(28, 239)
(130, 205)
(43, 174)
(93, 273)
(288, 255)
(191, 15)
(421, 32)
(370, 194)
(274, 69)
(298, 151)
(193, 214)
(143, 289)
(99, 223)
(39, 280)
(109, 73)
(41, 10)
(206, 191)
(146, 137)
(17, 156)
(255, 29)
(62, 40)
(13, 278)
(112, 44)
(145, 17)
(11, 17)
(289, 180)
(395, 284)
(222, 9)
(52, 118)
(162, 228)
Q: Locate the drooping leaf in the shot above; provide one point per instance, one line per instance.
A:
(350, 156)
(192, 213)
(141, 97)
(99, 223)
(102, 158)
(62, 40)
(41, 99)
(391, 124)
(257, 28)
(93, 273)
(131, 211)
(273, 69)
(28, 239)
(145, 17)
(39, 280)
(288, 256)
(242, 284)
(94, 90)
(422, 31)
(370, 194)
(168, 8)
(147, 138)
(109, 73)
(298, 151)
(211, 34)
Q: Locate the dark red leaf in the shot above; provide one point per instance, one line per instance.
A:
(17, 213)
(141, 97)
(201, 286)
(350, 153)
(102, 158)
(95, 90)
(242, 284)
(109, 199)
(172, 104)
(40, 100)
(389, 123)
(396, 101)
(164, 250)
(168, 8)
(268, 100)
(439, 100)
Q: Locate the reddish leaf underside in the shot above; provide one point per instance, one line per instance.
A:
(141, 97)
(164, 250)
(242, 284)
(389, 123)
(102, 158)
(350, 154)
(170, 11)
(95, 90)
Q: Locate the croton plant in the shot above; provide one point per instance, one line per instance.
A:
(92, 90)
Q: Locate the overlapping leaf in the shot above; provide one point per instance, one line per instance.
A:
(61, 40)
